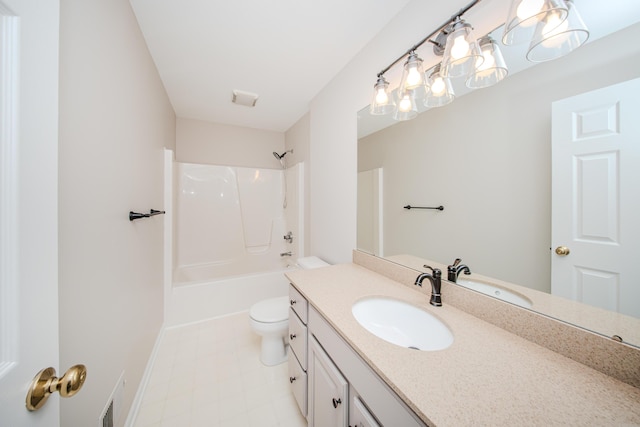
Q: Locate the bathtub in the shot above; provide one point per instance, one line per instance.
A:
(217, 271)
(197, 300)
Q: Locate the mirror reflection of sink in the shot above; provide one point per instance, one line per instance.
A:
(402, 324)
(496, 292)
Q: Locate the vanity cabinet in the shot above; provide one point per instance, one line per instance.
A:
(331, 383)
(298, 348)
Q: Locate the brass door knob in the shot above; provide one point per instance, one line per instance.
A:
(45, 383)
(562, 250)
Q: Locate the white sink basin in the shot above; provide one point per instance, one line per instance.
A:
(402, 324)
(496, 292)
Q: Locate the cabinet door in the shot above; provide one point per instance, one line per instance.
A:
(329, 390)
(359, 415)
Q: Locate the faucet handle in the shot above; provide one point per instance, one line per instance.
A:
(436, 271)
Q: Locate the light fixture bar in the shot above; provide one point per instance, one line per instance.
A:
(427, 38)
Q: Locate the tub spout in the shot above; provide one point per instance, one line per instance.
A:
(286, 253)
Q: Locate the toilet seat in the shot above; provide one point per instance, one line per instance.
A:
(271, 310)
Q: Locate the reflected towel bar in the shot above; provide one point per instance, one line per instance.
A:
(440, 208)
(136, 215)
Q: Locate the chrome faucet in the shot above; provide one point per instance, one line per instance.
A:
(435, 277)
(288, 237)
(286, 253)
(454, 270)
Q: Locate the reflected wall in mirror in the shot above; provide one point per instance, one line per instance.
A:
(487, 159)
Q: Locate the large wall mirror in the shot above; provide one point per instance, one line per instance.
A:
(487, 159)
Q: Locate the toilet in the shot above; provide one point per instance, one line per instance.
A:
(270, 319)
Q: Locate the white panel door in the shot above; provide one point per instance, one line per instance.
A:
(596, 198)
(28, 205)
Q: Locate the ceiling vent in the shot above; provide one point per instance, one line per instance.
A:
(247, 99)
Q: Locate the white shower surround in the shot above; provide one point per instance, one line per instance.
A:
(243, 215)
(230, 222)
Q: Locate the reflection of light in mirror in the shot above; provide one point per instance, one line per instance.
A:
(405, 103)
(555, 31)
(256, 175)
(489, 60)
(438, 86)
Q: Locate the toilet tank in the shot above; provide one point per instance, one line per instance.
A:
(310, 262)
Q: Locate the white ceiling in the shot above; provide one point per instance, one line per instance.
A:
(285, 51)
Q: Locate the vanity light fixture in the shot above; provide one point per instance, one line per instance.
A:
(461, 52)
(413, 74)
(553, 28)
(440, 89)
(555, 37)
(413, 79)
(490, 71)
(524, 15)
(382, 102)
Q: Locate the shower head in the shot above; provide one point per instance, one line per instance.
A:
(280, 156)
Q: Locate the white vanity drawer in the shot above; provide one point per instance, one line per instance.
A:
(298, 380)
(298, 303)
(298, 339)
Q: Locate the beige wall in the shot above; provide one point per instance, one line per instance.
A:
(487, 159)
(115, 120)
(198, 141)
(333, 135)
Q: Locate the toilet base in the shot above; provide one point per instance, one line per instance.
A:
(273, 350)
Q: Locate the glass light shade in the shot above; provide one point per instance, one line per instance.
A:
(440, 89)
(413, 74)
(382, 102)
(558, 37)
(407, 108)
(492, 70)
(524, 15)
(461, 52)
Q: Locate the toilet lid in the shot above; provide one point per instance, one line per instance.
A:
(270, 310)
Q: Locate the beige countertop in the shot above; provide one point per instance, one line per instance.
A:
(488, 376)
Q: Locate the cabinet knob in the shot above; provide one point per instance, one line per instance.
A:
(292, 379)
(336, 402)
(292, 301)
(292, 336)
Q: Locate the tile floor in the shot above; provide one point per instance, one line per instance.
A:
(209, 374)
